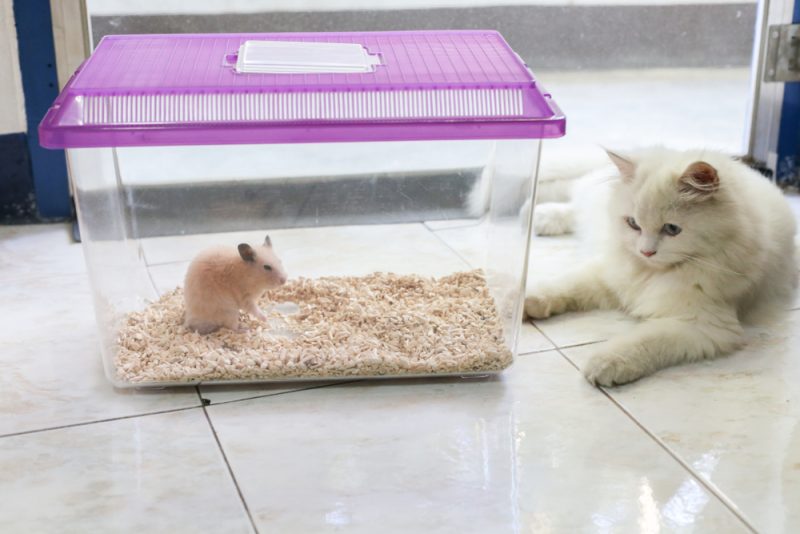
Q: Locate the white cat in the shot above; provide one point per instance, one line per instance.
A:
(697, 244)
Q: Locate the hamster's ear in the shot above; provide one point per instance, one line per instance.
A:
(268, 242)
(626, 167)
(246, 252)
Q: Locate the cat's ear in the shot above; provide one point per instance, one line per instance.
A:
(699, 181)
(626, 167)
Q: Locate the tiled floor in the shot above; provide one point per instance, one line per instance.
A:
(713, 447)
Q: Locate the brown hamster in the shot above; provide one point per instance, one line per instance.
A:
(221, 281)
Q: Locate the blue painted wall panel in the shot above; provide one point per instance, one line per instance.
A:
(40, 85)
(788, 170)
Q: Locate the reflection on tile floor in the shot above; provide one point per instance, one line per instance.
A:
(159, 473)
(735, 420)
(50, 368)
(711, 447)
(704, 448)
(497, 455)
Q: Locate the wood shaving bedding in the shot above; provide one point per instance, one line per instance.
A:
(375, 325)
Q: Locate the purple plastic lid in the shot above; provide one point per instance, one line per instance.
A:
(186, 89)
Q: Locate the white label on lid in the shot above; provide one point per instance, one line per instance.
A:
(298, 57)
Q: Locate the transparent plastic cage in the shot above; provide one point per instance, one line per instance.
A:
(424, 168)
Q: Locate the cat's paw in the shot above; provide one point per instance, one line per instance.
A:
(553, 218)
(540, 307)
(613, 369)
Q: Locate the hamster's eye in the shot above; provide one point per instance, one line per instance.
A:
(671, 229)
(267, 267)
(632, 223)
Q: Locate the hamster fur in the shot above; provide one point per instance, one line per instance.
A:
(221, 281)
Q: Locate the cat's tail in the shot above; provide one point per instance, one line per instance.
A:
(560, 169)
(797, 251)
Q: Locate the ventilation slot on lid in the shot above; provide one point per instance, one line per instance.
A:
(159, 109)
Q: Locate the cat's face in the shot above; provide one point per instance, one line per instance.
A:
(663, 216)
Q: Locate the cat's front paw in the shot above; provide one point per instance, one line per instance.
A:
(537, 307)
(553, 218)
(613, 369)
(542, 305)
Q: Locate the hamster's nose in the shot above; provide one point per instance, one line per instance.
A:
(648, 253)
(282, 279)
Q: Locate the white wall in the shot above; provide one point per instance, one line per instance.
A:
(143, 7)
(12, 101)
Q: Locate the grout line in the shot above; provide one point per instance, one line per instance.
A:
(708, 485)
(458, 226)
(532, 322)
(230, 469)
(581, 344)
(536, 351)
(152, 281)
(207, 402)
(202, 402)
(568, 345)
(173, 262)
(87, 423)
(200, 398)
(451, 249)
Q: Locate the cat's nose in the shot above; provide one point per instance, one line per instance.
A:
(648, 253)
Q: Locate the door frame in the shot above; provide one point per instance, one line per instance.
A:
(763, 129)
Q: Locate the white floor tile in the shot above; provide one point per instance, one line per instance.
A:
(168, 276)
(468, 241)
(551, 256)
(531, 340)
(50, 366)
(445, 224)
(39, 250)
(735, 420)
(538, 450)
(161, 473)
(578, 328)
(229, 393)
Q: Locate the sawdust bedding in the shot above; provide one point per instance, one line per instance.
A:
(376, 325)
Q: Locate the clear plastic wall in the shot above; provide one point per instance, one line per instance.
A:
(429, 208)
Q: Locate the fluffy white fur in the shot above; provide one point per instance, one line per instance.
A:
(732, 263)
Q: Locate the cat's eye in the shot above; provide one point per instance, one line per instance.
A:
(671, 229)
(632, 223)
(267, 267)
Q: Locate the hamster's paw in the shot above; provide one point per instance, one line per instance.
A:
(553, 218)
(202, 327)
(612, 369)
(256, 312)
